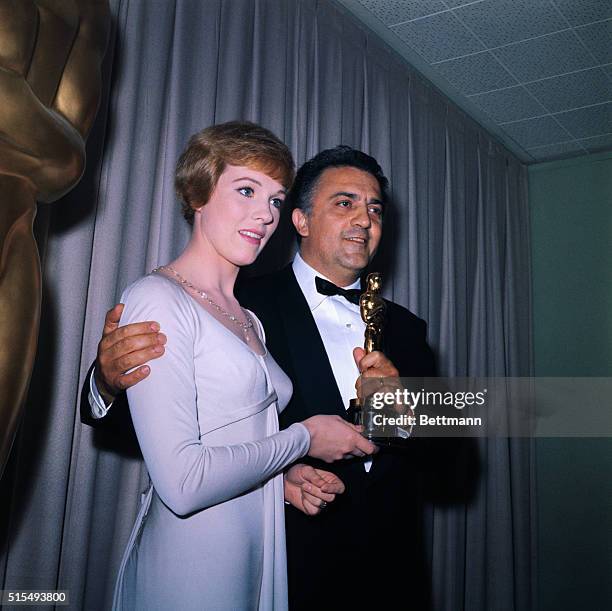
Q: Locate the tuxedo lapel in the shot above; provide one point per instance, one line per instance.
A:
(313, 378)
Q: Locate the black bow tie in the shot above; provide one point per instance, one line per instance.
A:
(329, 288)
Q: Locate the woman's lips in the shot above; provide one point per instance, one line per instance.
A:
(253, 237)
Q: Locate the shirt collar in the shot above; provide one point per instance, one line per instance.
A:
(305, 276)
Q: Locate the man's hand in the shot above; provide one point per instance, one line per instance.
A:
(311, 490)
(122, 349)
(374, 365)
(332, 438)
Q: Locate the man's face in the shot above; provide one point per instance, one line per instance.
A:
(342, 232)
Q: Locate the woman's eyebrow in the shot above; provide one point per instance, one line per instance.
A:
(247, 178)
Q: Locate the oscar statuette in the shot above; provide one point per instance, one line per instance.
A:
(373, 309)
(385, 423)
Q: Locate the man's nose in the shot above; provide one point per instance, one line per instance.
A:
(361, 217)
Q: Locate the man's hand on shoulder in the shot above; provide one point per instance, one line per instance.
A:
(122, 349)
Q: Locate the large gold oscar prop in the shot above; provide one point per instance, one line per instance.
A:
(51, 53)
(373, 309)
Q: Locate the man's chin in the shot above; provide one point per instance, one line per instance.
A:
(356, 263)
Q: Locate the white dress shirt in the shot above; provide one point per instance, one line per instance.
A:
(340, 326)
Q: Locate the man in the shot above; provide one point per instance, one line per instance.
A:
(347, 556)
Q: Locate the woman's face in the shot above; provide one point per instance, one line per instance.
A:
(241, 214)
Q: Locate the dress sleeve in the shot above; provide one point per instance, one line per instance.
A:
(188, 475)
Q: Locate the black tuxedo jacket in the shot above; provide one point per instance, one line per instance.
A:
(335, 557)
(365, 549)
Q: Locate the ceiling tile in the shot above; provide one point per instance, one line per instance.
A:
(508, 104)
(476, 73)
(546, 56)
(584, 11)
(588, 122)
(499, 22)
(556, 150)
(396, 11)
(598, 38)
(438, 37)
(600, 143)
(546, 83)
(573, 90)
(536, 132)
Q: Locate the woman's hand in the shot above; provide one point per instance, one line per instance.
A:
(332, 438)
(311, 490)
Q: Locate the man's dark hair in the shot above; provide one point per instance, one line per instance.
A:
(307, 177)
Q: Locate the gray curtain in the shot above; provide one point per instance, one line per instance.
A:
(456, 251)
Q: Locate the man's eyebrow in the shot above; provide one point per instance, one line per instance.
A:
(344, 194)
(247, 178)
(373, 200)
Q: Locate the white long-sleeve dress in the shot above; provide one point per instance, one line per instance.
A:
(210, 533)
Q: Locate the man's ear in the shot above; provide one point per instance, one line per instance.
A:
(300, 222)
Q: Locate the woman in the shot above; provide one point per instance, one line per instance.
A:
(210, 534)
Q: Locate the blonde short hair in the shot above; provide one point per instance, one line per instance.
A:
(233, 143)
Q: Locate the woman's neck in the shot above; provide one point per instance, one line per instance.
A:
(206, 270)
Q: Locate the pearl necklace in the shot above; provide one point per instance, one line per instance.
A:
(245, 326)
